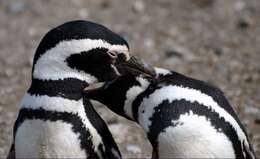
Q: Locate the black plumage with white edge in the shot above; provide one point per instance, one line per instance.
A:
(183, 117)
(54, 121)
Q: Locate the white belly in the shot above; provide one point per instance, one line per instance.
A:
(195, 138)
(47, 139)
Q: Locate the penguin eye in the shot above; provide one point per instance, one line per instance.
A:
(112, 54)
(116, 56)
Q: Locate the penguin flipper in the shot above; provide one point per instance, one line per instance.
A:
(11, 154)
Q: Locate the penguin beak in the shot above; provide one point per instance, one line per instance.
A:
(96, 91)
(94, 86)
(136, 66)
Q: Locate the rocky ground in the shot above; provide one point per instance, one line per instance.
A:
(215, 41)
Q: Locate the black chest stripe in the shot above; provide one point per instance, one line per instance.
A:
(69, 88)
(178, 79)
(76, 122)
(166, 112)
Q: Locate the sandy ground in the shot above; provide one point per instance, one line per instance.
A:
(215, 41)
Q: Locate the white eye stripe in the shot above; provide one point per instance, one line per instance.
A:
(51, 65)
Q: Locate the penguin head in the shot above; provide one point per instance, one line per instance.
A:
(79, 49)
(119, 94)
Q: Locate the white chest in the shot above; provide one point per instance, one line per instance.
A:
(47, 139)
(194, 138)
(56, 133)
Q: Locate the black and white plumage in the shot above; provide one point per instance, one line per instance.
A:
(54, 121)
(183, 117)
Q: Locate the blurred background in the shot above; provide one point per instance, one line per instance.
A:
(212, 40)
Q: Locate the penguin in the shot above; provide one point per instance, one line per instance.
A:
(54, 120)
(182, 117)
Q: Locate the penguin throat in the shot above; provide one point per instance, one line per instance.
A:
(69, 88)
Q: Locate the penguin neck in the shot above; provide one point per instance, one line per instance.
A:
(68, 88)
(55, 95)
(133, 98)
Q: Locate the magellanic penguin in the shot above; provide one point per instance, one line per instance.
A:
(53, 119)
(183, 117)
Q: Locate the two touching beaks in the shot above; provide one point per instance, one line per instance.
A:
(134, 66)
